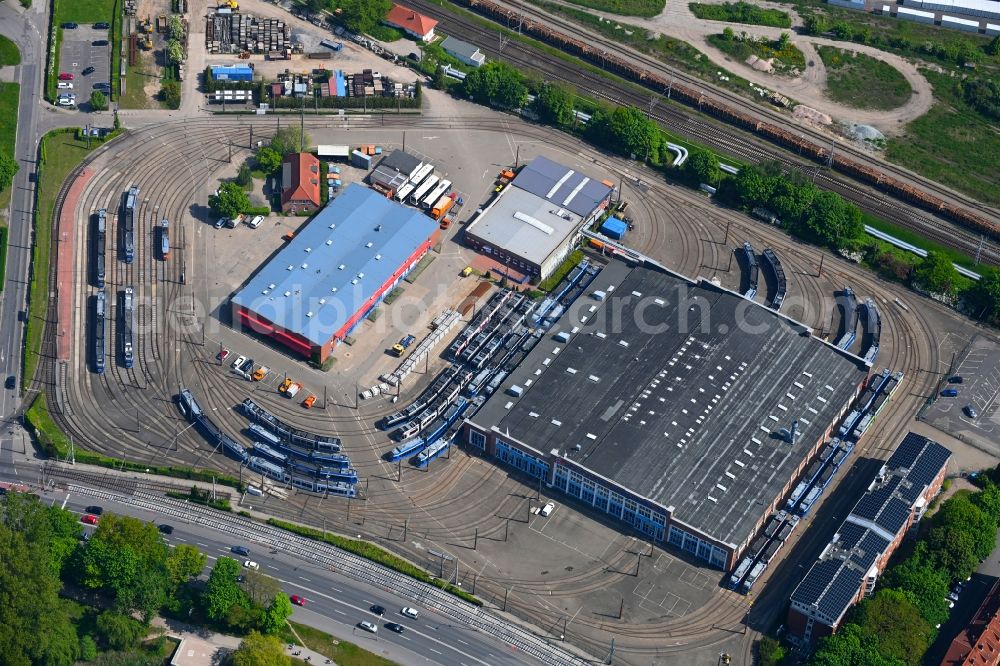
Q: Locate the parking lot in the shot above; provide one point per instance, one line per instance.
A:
(980, 390)
(78, 53)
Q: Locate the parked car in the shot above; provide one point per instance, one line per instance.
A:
(368, 626)
(949, 393)
(250, 564)
(240, 360)
(240, 550)
(221, 222)
(255, 222)
(69, 25)
(393, 626)
(284, 385)
(99, 42)
(297, 600)
(292, 390)
(96, 510)
(67, 100)
(64, 85)
(11, 382)
(89, 519)
(166, 529)
(102, 26)
(955, 379)
(971, 412)
(309, 402)
(103, 87)
(378, 610)
(260, 373)
(222, 355)
(411, 613)
(65, 76)
(546, 510)
(88, 71)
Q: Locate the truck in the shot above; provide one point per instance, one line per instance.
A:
(442, 206)
(293, 389)
(403, 345)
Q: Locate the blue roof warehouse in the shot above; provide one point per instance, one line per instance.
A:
(314, 291)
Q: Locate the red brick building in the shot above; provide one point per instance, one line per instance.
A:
(849, 566)
(416, 25)
(979, 643)
(300, 183)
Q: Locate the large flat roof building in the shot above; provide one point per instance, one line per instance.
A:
(669, 403)
(534, 222)
(849, 566)
(317, 288)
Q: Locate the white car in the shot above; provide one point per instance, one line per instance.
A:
(411, 613)
(250, 564)
(67, 100)
(64, 85)
(546, 510)
(368, 626)
(240, 360)
(255, 222)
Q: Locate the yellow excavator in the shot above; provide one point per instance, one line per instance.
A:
(230, 4)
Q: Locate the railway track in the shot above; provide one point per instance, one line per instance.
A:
(435, 504)
(723, 138)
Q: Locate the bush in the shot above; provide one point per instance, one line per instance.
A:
(742, 12)
(170, 92)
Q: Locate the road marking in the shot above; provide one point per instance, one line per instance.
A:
(305, 579)
(461, 641)
(339, 611)
(272, 567)
(203, 545)
(433, 650)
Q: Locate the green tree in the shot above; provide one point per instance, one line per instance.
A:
(754, 187)
(230, 201)
(993, 48)
(175, 52)
(988, 500)
(279, 610)
(440, 82)
(244, 178)
(175, 27)
(784, 41)
(259, 650)
(831, 220)
(8, 168)
(222, 592)
(35, 626)
(894, 621)
(362, 15)
(937, 273)
(924, 584)
(98, 102)
(960, 537)
(268, 160)
(851, 647)
(119, 632)
(791, 201)
(184, 563)
(288, 140)
(170, 91)
(65, 537)
(728, 34)
(496, 83)
(816, 24)
(702, 167)
(260, 588)
(554, 104)
(88, 648)
(985, 296)
(634, 133)
(843, 30)
(772, 652)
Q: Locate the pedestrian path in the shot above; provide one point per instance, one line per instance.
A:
(200, 647)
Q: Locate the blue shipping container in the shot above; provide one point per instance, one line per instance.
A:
(614, 228)
(232, 72)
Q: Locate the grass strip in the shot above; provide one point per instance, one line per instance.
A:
(9, 96)
(9, 53)
(645, 8)
(343, 653)
(741, 12)
(3, 256)
(571, 262)
(370, 551)
(916, 239)
(858, 80)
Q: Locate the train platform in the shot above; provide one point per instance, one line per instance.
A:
(66, 253)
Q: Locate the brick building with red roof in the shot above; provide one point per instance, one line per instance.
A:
(416, 25)
(300, 183)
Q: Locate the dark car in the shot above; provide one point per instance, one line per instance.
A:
(11, 382)
(99, 42)
(103, 87)
(102, 26)
(392, 626)
(970, 411)
(957, 379)
(166, 529)
(241, 550)
(378, 610)
(96, 510)
(70, 26)
(949, 393)
(89, 70)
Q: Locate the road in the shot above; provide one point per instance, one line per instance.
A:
(335, 603)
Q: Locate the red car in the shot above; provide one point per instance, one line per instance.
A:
(297, 600)
(65, 76)
(222, 355)
(89, 519)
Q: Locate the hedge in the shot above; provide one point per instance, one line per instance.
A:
(372, 552)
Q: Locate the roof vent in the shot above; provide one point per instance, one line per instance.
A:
(270, 286)
(354, 281)
(378, 257)
(309, 249)
(266, 292)
(340, 267)
(322, 301)
(360, 275)
(309, 314)
(287, 294)
(329, 242)
(369, 244)
(333, 225)
(305, 265)
(291, 267)
(333, 290)
(378, 228)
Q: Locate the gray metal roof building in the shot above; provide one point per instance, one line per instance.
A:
(533, 223)
(464, 51)
(335, 269)
(402, 162)
(677, 392)
(848, 567)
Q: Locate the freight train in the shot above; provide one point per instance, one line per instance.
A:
(629, 69)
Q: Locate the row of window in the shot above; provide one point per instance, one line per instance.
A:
(698, 547)
(522, 461)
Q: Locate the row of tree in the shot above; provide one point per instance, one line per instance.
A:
(359, 16)
(897, 625)
(64, 596)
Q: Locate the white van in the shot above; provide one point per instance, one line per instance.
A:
(255, 222)
(547, 509)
